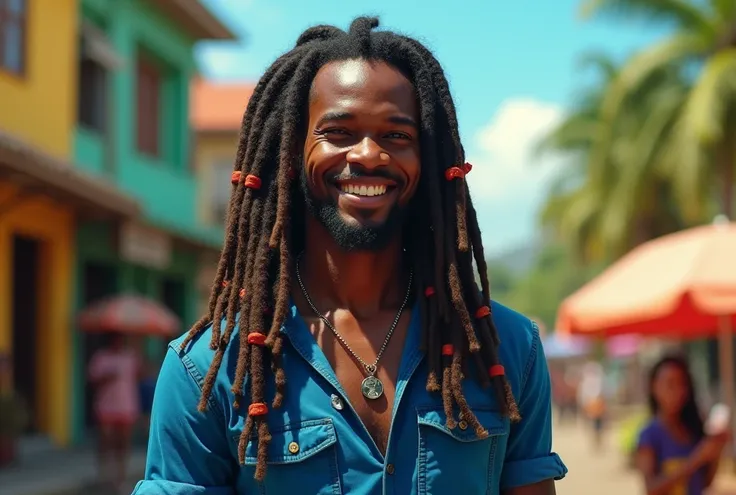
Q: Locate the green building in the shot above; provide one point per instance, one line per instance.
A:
(135, 67)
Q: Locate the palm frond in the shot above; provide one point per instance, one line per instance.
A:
(683, 13)
(699, 130)
(601, 62)
(706, 111)
(639, 69)
(575, 133)
(675, 49)
(723, 9)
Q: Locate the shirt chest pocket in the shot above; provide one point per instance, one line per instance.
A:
(457, 461)
(302, 458)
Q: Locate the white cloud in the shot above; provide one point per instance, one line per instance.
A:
(504, 160)
(509, 180)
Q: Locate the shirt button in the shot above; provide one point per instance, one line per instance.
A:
(463, 425)
(293, 447)
(336, 402)
(390, 468)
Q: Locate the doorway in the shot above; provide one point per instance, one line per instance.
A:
(26, 252)
(99, 281)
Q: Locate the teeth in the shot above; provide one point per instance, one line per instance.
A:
(363, 190)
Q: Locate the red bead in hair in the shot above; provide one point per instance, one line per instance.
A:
(257, 409)
(429, 291)
(454, 173)
(447, 350)
(241, 293)
(252, 182)
(235, 178)
(256, 338)
(467, 167)
(225, 283)
(482, 312)
(496, 370)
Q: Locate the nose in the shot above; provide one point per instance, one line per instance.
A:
(367, 153)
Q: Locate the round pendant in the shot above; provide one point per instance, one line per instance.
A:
(372, 388)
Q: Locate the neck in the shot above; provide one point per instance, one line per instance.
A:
(364, 282)
(671, 420)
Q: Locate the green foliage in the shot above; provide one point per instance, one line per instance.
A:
(688, 143)
(538, 293)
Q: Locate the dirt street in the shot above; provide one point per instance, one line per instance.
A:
(601, 472)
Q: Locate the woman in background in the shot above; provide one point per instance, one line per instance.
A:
(674, 454)
(114, 372)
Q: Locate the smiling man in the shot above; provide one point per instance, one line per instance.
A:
(347, 348)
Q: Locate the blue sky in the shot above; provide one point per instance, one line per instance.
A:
(513, 67)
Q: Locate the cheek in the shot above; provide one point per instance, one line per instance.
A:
(313, 160)
(412, 168)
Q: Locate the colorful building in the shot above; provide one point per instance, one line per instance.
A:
(43, 197)
(216, 113)
(132, 130)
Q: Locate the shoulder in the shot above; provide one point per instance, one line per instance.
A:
(653, 427)
(520, 348)
(197, 355)
(518, 334)
(651, 434)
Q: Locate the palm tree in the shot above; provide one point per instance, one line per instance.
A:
(700, 148)
(607, 204)
(575, 202)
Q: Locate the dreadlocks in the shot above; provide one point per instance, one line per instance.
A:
(253, 277)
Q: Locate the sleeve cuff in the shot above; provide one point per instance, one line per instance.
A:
(529, 471)
(165, 487)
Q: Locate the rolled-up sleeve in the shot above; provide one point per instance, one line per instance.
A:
(188, 451)
(529, 457)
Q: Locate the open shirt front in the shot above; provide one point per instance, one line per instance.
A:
(319, 444)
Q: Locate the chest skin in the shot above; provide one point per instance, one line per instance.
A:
(365, 338)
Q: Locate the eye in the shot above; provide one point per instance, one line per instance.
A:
(398, 135)
(332, 131)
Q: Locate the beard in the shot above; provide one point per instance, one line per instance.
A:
(347, 235)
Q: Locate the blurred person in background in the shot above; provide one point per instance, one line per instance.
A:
(350, 205)
(114, 372)
(674, 454)
(592, 400)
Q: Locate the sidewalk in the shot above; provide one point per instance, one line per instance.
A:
(68, 472)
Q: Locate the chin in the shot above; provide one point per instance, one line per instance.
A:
(352, 232)
(361, 223)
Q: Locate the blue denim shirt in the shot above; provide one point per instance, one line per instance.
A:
(192, 453)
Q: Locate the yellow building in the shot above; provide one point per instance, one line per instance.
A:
(216, 113)
(42, 196)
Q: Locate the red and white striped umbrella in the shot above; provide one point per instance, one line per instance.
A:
(129, 314)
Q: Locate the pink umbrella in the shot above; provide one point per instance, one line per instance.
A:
(129, 314)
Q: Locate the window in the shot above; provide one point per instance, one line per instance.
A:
(220, 189)
(97, 59)
(13, 35)
(92, 102)
(149, 106)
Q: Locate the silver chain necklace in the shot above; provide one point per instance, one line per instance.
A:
(371, 387)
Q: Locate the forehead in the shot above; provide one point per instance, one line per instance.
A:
(352, 84)
(671, 372)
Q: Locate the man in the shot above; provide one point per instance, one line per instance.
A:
(347, 348)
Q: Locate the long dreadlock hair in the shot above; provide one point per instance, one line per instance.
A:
(253, 278)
